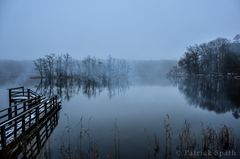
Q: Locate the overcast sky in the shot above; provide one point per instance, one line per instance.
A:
(132, 29)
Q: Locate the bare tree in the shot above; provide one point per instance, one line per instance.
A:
(39, 66)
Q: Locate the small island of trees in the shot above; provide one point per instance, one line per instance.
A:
(90, 68)
(90, 75)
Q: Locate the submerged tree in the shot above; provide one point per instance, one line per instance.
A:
(39, 66)
(89, 69)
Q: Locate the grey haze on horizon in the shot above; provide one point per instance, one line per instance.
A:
(131, 29)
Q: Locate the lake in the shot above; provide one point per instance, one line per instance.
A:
(128, 119)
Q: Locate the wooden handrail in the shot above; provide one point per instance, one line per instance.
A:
(21, 113)
(19, 94)
(27, 100)
(27, 111)
(16, 88)
(9, 128)
(18, 108)
(42, 130)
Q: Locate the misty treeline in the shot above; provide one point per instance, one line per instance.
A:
(13, 69)
(218, 57)
(64, 66)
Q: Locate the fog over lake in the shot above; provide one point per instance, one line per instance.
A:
(125, 79)
(132, 113)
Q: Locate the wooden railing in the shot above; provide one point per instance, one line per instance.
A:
(24, 116)
(30, 144)
(18, 108)
(19, 94)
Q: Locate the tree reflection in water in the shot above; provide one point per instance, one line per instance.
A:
(214, 94)
(66, 88)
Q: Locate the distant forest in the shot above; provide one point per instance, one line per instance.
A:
(218, 57)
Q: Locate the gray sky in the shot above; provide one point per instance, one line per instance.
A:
(132, 29)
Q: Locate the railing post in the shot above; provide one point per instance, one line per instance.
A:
(23, 123)
(38, 99)
(38, 137)
(9, 113)
(28, 90)
(45, 108)
(3, 134)
(37, 114)
(24, 106)
(29, 119)
(15, 129)
(10, 97)
(33, 101)
(15, 110)
(23, 91)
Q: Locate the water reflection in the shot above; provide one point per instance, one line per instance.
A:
(66, 88)
(214, 94)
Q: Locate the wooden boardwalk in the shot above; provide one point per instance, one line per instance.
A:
(29, 115)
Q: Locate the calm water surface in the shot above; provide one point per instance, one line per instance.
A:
(125, 122)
